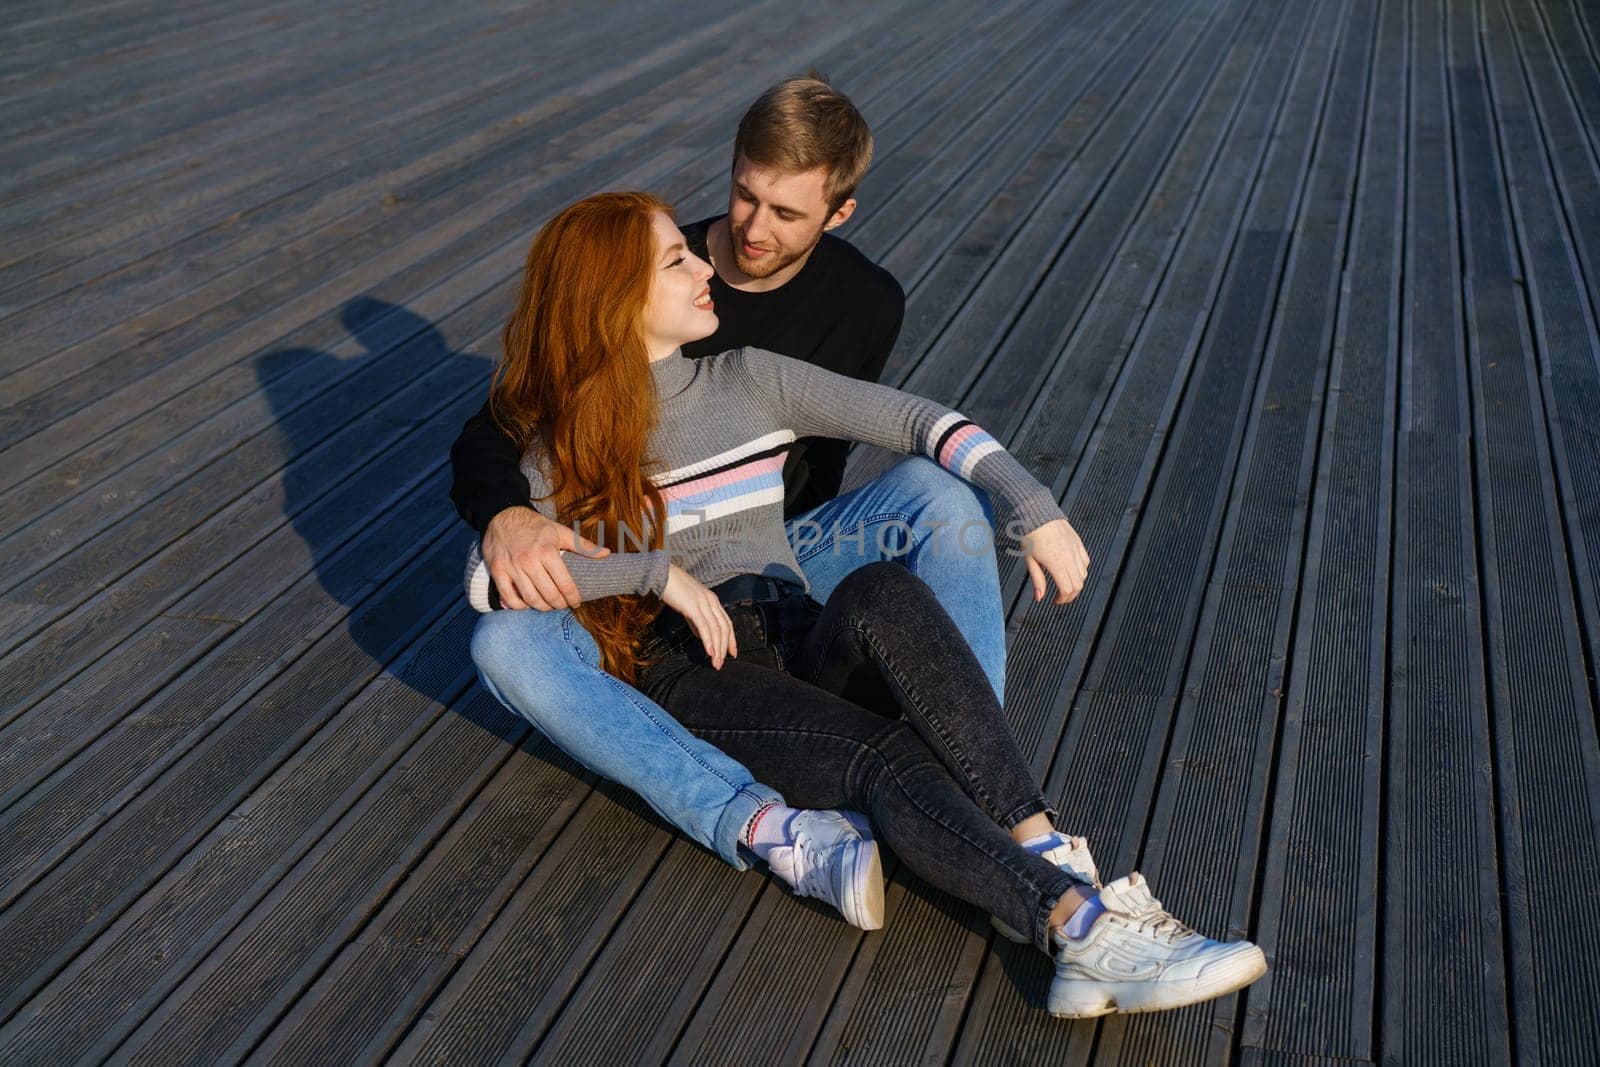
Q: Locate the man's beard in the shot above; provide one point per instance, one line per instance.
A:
(769, 264)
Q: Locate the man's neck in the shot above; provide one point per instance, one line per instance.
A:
(719, 246)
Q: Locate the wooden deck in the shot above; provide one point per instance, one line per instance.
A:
(1293, 301)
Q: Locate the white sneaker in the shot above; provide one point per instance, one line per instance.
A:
(831, 861)
(1072, 857)
(1137, 957)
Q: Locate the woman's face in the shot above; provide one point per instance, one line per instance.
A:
(679, 309)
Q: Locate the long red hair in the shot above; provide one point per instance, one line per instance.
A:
(575, 379)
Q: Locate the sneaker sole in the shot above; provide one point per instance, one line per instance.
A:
(1090, 999)
(862, 905)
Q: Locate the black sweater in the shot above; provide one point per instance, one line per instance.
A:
(842, 312)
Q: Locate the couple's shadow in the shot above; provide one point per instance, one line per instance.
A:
(343, 506)
(351, 420)
(362, 535)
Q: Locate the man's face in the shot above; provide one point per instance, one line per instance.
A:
(775, 217)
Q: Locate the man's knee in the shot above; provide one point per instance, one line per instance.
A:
(934, 495)
(504, 642)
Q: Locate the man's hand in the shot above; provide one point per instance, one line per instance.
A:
(704, 613)
(523, 550)
(1055, 548)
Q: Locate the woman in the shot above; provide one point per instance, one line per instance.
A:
(870, 702)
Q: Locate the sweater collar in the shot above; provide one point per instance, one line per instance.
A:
(672, 374)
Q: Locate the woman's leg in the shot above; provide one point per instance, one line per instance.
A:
(940, 528)
(822, 751)
(883, 638)
(545, 667)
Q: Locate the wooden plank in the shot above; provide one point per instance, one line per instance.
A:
(32, 746)
(1203, 840)
(1555, 200)
(317, 811)
(43, 99)
(507, 991)
(219, 1011)
(79, 899)
(105, 31)
(1544, 720)
(381, 979)
(1322, 858)
(204, 170)
(197, 241)
(1117, 731)
(1439, 904)
(80, 233)
(73, 133)
(151, 729)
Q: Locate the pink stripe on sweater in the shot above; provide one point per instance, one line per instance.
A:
(957, 439)
(726, 478)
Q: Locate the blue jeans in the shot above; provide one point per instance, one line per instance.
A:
(545, 667)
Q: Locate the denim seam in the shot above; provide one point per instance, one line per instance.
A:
(629, 693)
(908, 519)
(869, 747)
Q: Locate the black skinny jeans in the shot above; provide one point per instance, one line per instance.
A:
(872, 703)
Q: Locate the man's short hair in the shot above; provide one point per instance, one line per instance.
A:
(803, 123)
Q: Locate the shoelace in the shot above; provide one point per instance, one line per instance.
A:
(1160, 922)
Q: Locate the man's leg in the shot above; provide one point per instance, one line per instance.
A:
(545, 666)
(940, 527)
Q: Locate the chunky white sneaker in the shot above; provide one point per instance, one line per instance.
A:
(1073, 857)
(831, 861)
(1137, 957)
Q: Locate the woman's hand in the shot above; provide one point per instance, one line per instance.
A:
(1055, 548)
(703, 611)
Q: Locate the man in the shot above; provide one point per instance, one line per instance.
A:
(782, 282)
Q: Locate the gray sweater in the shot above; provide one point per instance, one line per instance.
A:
(726, 423)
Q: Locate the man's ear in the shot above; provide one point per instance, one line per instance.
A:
(840, 217)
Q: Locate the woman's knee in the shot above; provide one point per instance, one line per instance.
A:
(879, 591)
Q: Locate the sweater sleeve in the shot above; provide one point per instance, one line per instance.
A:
(816, 402)
(620, 573)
